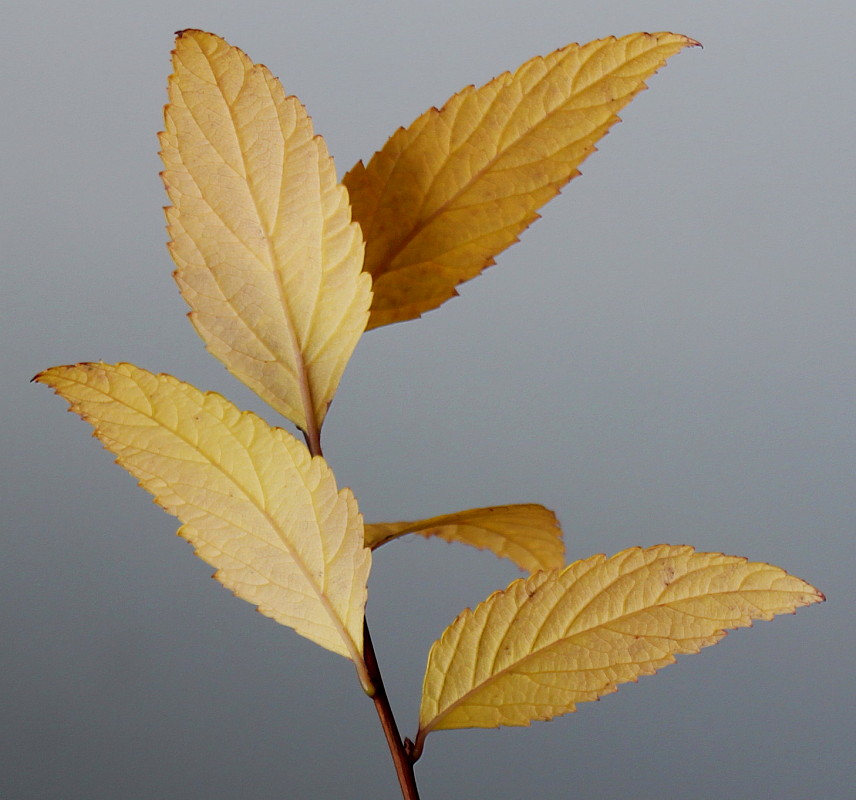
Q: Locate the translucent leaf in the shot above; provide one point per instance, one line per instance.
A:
(446, 195)
(559, 638)
(528, 534)
(268, 258)
(254, 503)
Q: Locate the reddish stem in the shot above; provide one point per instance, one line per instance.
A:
(400, 757)
(399, 750)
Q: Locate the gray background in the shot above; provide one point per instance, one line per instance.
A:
(668, 356)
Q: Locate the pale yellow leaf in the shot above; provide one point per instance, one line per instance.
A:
(528, 534)
(446, 195)
(562, 637)
(268, 257)
(254, 503)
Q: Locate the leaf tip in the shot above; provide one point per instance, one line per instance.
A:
(687, 41)
(191, 33)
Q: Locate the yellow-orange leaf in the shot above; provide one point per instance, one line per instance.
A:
(559, 638)
(528, 534)
(457, 187)
(268, 258)
(254, 503)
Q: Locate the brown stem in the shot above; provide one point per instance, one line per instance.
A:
(399, 750)
(312, 437)
(400, 757)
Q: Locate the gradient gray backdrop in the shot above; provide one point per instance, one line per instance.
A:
(668, 356)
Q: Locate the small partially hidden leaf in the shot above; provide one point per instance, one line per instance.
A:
(254, 503)
(268, 258)
(559, 638)
(446, 195)
(527, 534)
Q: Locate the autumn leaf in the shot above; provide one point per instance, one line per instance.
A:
(446, 195)
(253, 502)
(527, 534)
(559, 638)
(268, 257)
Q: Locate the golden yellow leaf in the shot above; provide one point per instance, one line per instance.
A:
(268, 257)
(528, 534)
(450, 192)
(559, 638)
(254, 503)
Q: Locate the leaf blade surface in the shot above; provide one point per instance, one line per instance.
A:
(446, 195)
(528, 534)
(557, 638)
(253, 502)
(267, 256)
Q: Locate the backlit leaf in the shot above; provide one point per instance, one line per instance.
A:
(559, 638)
(446, 195)
(253, 502)
(268, 258)
(528, 534)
